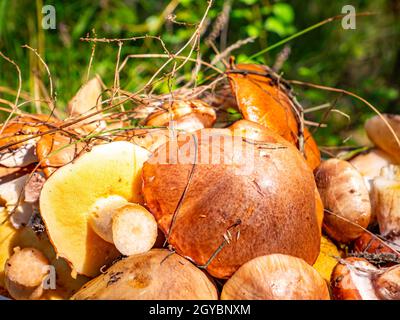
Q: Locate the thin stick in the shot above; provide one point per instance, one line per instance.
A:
(349, 93)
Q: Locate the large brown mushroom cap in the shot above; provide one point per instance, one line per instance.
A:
(263, 201)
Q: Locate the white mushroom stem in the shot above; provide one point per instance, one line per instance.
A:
(386, 200)
(25, 271)
(130, 227)
(369, 164)
(100, 218)
(134, 229)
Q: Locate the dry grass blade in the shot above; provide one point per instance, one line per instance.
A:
(15, 107)
(349, 93)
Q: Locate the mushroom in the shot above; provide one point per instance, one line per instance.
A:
(352, 280)
(156, 275)
(25, 237)
(370, 163)
(380, 134)
(262, 100)
(23, 282)
(70, 194)
(190, 115)
(387, 284)
(386, 200)
(222, 200)
(56, 150)
(345, 198)
(134, 229)
(275, 277)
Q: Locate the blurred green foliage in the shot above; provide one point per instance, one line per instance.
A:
(365, 60)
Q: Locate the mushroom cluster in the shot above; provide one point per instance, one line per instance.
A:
(188, 205)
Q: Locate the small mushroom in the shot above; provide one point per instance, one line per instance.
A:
(190, 115)
(370, 163)
(352, 280)
(24, 272)
(275, 277)
(387, 284)
(379, 133)
(70, 194)
(386, 200)
(345, 198)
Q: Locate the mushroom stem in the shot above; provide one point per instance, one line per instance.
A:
(25, 271)
(130, 227)
(134, 229)
(101, 215)
(386, 200)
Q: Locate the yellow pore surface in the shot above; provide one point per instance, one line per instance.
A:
(68, 195)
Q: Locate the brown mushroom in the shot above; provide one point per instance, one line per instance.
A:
(380, 134)
(155, 275)
(275, 277)
(211, 189)
(345, 198)
(189, 115)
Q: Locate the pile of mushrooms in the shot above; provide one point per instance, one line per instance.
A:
(184, 207)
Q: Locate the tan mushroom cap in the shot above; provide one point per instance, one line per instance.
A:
(275, 277)
(155, 275)
(379, 133)
(190, 115)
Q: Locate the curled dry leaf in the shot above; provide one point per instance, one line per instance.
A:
(189, 115)
(275, 277)
(246, 192)
(260, 99)
(86, 101)
(68, 196)
(386, 200)
(155, 275)
(345, 198)
(379, 133)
